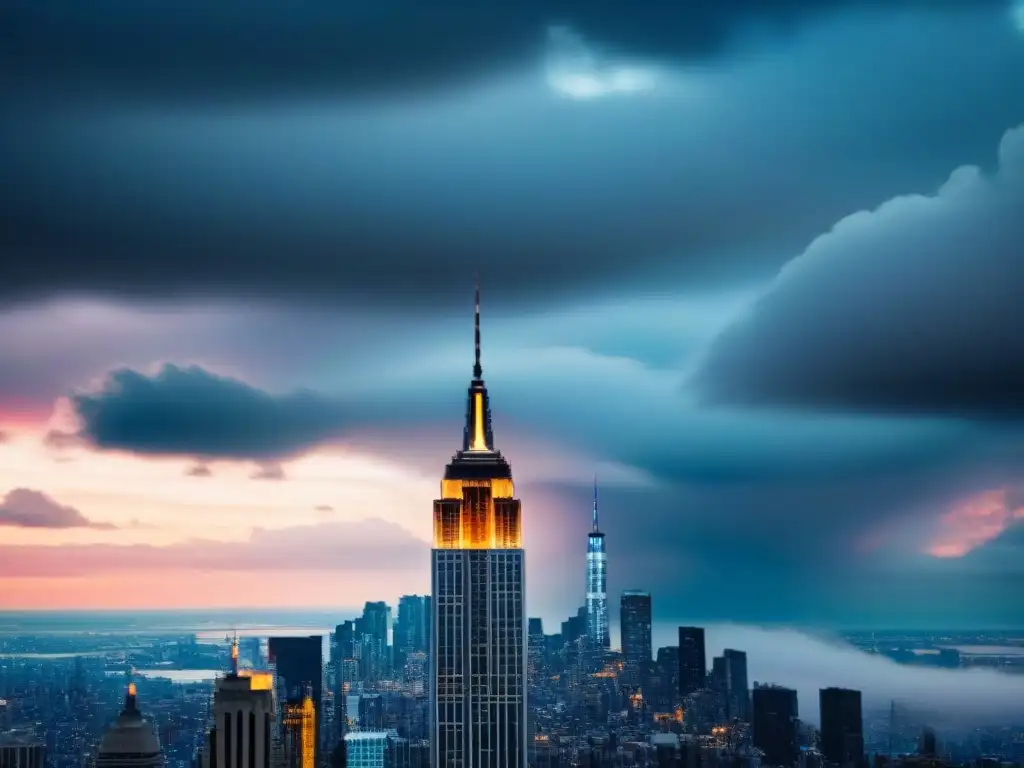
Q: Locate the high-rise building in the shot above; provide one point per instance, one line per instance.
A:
(842, 727)
(412, 628)
(575, 627)
(366, 749)
(665, 681)
(478, 639)
(597, 583)
(297, 663)
(132, 741)
(299, 732)
(737, 689)
(244, 720)
(635, 621)
(775, 725)
(374, 629)
(693, 662)
(21, 749)
(345, 670)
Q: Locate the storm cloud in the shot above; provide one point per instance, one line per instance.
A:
(912, 308)
(267, 49)
(191, 412)
(555, 179)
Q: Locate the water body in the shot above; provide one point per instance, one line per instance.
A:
(988, 650)
(183, 676)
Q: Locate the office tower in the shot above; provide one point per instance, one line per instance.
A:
(131, 742)
(346, 644)
(373, 629)
(297, 663)
(21, 750)
(693, 663)
(666, 678)
(411, 628)
(534, 650)
(842, 727)
(597, 583)
(345, 667)
(737, 690)
(299, 731)
(244, 719)
(575, 627)
(478, 639)
(635, 622)
(366, 749)
(775, 725)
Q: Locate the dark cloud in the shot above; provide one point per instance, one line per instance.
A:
(267, 49)
(339, 201)
(191, 412)
(25, 508)
(199, 470)
(323, 508)
(371, 545)
(911, 308)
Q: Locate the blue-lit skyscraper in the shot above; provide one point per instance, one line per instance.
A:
(597, 583)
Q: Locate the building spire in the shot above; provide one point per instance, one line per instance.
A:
(131, 705)
(595, 502)
(234, 654)
(478, 371)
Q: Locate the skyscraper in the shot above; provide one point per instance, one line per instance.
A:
(412, 628)
(737, 689)
(842, 727)
(131, 742)
(693, 662)
(635, 619)
(244, 715)
(298, 664)
(597, 583)
(775, 725)
(478, 643)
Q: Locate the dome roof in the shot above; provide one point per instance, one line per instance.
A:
(131, 739)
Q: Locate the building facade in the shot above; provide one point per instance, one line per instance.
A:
(244, 720)
(775, 725)
(635, 613)
(478, 635)
(597, 583)
(693, 663)
(737, 687)
(842, 727)
(297, 663)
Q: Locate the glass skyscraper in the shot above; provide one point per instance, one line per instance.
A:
(597, 583)
(478, 638)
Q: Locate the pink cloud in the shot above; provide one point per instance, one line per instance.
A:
(974, 521)
(366, 547)
(25, 508)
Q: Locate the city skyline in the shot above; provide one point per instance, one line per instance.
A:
(737, 256)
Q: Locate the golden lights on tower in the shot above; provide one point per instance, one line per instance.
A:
(477, 508)
(479, 436)
(477, 514)
(300, 724)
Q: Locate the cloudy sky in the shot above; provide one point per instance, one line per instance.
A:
(757, 264)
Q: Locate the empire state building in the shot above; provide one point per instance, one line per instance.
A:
(478, 642)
